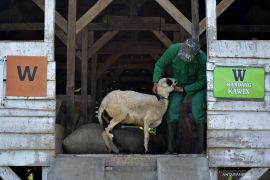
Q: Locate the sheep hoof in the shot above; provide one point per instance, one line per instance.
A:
(115, 149)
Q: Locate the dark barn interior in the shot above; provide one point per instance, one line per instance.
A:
(119, 47)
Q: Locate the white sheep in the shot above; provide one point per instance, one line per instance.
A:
(130, 107)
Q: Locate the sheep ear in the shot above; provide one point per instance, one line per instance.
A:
(169, 82)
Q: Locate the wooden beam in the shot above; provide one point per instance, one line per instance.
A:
(163, 38)
(176, 14)
(140, 48)
(84, 76)
(45, 172)
(59, 19)
(149, 67)
(133, 23)
(132, 27)
(93, 81)
(49, 21)
(254, 173)
(195, 19)
(221, 7)
(91, 14)
(118, 20)
(71, 44)
(61, 35)
(213, 173)
(63, 38)
(6, 173)
(243, 28)
(211, 20)
(22, 27)
(137, 3)
(137, 51)
(101, 42)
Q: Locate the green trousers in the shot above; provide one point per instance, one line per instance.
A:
(198, 102)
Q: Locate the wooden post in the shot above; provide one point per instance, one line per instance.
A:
(93, 81)
(71, 44)
(84, 76)
(45, 171)
(195, 19)
(49, 25)
(211, 20)
(213, 173)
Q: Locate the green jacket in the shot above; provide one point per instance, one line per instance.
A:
(190, 76)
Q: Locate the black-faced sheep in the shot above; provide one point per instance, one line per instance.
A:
(130, 107)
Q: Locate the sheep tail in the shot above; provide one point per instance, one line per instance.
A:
(103, 116)
(100, 112)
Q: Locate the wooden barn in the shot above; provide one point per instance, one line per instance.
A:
(58, 59)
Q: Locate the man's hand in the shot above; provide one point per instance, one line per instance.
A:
(154, 89)
(178, 89)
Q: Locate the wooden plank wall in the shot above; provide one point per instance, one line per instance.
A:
(238, 130)
(27, 130)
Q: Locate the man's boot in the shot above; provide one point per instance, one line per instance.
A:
(172, 127)
(200, 132)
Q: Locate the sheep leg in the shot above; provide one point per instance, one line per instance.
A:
(106, 141)
(110, 146)
(146, 137)
(108, 130)
(110, 127)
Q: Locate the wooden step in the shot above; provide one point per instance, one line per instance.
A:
(128, 167)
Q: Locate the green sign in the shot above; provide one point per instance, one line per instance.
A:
(239, 82)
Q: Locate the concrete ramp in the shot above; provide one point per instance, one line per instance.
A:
(191, 168)
(77, 168)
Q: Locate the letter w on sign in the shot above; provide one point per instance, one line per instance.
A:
(240, 75)
(31, 77)
(26, 76)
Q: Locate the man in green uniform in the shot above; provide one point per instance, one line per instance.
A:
(188, 65)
